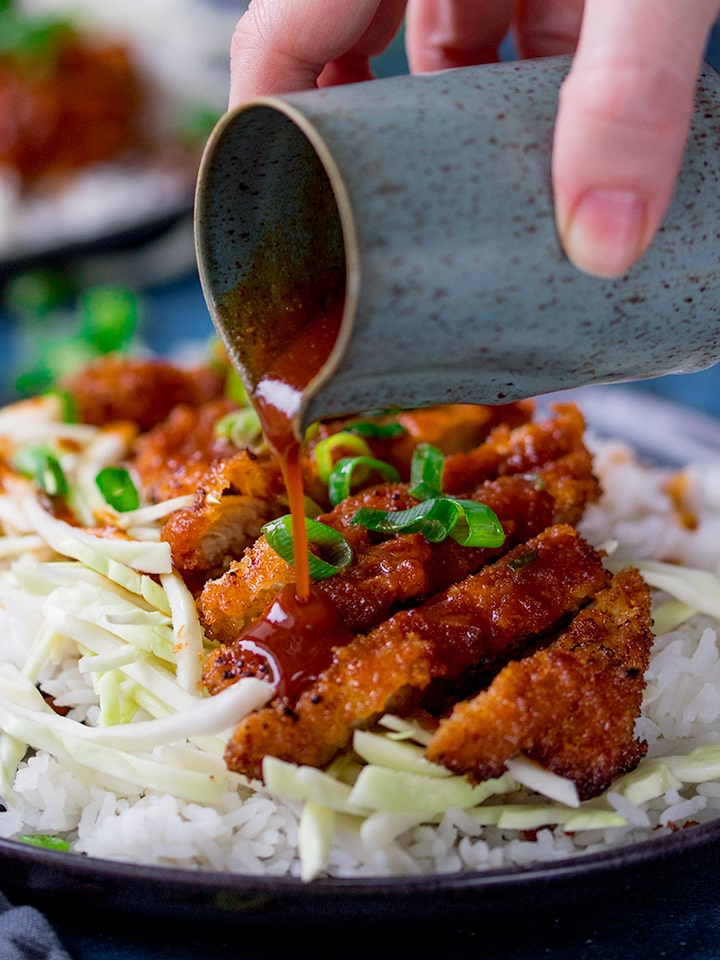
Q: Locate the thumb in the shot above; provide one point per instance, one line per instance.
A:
(622, 124)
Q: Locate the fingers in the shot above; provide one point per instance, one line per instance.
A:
(455, 33)
(622, 124)
(547, 29)
(283, 45)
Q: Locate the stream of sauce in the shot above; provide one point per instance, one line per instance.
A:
(277, 397)
(301, 626)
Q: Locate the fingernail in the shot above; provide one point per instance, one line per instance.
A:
(605, 233)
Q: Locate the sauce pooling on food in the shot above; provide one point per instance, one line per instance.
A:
(295, 636)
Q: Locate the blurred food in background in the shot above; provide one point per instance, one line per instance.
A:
(56, 327)
(104, 110)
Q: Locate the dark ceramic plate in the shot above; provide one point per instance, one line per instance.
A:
(683, 868)
(135, 236)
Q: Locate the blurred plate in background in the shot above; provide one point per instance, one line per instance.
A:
(81, 178)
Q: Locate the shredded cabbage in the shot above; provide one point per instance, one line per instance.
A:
(115, 607)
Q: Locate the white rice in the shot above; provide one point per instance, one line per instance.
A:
(250, 832)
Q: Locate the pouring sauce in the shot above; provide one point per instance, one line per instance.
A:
(277, 397)
(298, 630)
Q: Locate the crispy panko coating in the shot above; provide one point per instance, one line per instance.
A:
(452, 428)
(388, 574)
(238, 495)
(571, 706)
(173, 457)
(384, 575)
(229, 603)
(522, 449)
(143, 391)
(480, 621)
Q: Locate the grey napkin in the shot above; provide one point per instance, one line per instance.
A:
(25, 934)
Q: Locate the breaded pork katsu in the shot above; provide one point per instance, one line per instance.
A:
(476, 623)
(578, 697)
(526, 644)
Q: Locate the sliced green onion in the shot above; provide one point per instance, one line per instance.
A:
(32, 382)
(235, 388)
(68, 405)
(426, 470)
(522, 560)
(477, 526)
(196, 121)
(52, 478)
(108, 317)
(36, 37)
(433, 518)
(117, 487)
(337, 551)
(340, 481)
(36, 293)
(326, 451)
(41, 464)
(240, 427)
(471, 524)
(377, 431)
(46, 841)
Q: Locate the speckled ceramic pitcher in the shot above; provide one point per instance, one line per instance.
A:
(427, 200)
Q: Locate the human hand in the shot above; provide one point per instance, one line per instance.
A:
(624, 109)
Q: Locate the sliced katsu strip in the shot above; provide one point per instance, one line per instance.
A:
(479, 621)
(384, 577)
(137, 389)
(452, 428)
(522, 449)
(387, 574)
(571, 706)
(238, 494)
(173, 458)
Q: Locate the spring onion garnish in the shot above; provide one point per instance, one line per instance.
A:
(108, 317)
(523, 560)
(45, 841)
(41, 465)
(241, 427)
(337, 552)
(437, 517)
(196, 121)
(68, 405)
(36, 293)
(330, 449)
(340, 481)
(116, 485)
(24, 37)
(472, 524)
(235, 388)
(374, 430)
(426, 472)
